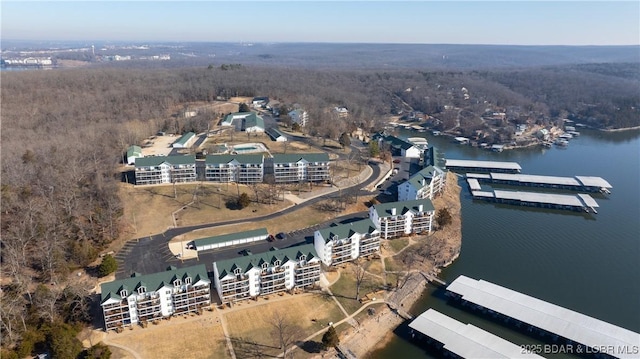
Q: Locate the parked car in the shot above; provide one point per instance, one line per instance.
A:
(281, 235)
(397, 160)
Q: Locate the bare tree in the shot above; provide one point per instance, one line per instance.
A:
(283, 330)
(359, 274)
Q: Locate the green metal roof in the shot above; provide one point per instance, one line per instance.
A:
(185, 138)
(296, 157)
(275, 133)
(347, 230)
(244, 159)
(230, 237)
(173, 160)
(134, 151)
(426, 173)
(384, 209)
(153, 281)
(245, 263)
(253, 120)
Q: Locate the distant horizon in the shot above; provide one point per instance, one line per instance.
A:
(511, 23)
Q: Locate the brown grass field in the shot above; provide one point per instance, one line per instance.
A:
(309, 314)
(194, 337)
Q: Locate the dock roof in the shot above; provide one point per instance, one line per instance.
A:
(552, 318)
(593, 181)
(578, 181)
(230, 237)
(536, 197)
(466, 340)
(483, 164)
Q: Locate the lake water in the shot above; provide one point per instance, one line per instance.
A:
(589, 263)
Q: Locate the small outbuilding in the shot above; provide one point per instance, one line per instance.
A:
(276, 135)
(133, 152)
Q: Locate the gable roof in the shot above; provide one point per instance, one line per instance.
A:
(427, 174)
(152, 282)
(230, 237)
(172, 160)
(347, 230)
(384, 209)
(296, 157)
(243, 159)
(253, 120)
(184, 138)
(275, 133)
(226, 267)
(134, 151)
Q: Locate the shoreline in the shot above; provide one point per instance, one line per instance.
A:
(364, 342)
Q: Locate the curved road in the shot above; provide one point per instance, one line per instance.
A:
(150, 254)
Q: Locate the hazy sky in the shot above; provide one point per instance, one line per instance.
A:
(429, 22)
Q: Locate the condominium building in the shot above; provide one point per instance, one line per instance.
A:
(145, 298)
(165, 169)
(299, 116)
(266, 273)
(397, 219)
(247, 168)
(425, 184)
(345, 242)
(299, 167)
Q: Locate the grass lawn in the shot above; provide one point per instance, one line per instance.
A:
(373, 266)
(364, 314)
(345, 289)
(308, 314)
(396, 245)
(169, 339)
(391, 265)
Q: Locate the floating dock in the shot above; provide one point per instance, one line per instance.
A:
(578, 202)
(482, 166)
(464, 340)
(597, 335)
(577, 183)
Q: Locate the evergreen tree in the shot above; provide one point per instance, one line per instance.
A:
(108, 266)
(243, 107)
(345, 140)
(330, 338)
(443, 217)
(374, 149)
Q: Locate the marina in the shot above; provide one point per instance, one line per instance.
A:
(547, 319)
(465, 340)
(482, 166)
(578, 202)
(577, 183)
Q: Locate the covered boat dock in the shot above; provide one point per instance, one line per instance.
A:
(577, 183)
(482, 166)
(578, 202)
(464, 340)
(597, 335)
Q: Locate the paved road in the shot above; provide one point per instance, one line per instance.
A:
(151, 254)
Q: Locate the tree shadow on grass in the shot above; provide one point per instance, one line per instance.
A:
(311, 346)
(245, 348)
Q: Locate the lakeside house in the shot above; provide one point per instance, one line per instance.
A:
(299, 167)
(426, 183)
(397, 219)
(266, 273)
(145, 298)
(246, 168)
(341, 243)
(398, 146)
(165, 169)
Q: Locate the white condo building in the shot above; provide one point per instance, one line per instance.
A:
(424, 184)
(266, 273)
(345, 242)
(145, 298)
(397, 219)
